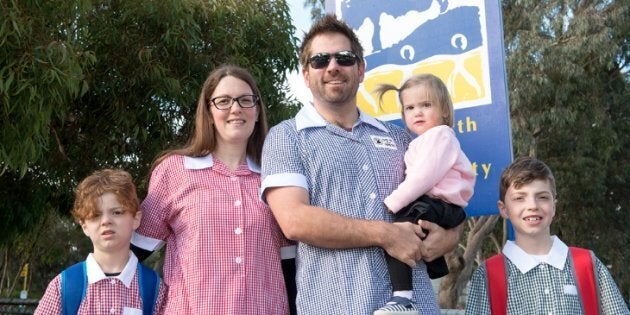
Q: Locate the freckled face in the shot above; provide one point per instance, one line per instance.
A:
(110, 230)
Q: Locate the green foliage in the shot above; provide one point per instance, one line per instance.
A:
(40, 72)
(317, 8)
(53, 244)
(568, 84)
(91, 84)
(22, 205)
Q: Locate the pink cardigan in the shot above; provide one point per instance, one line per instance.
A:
(436, 166)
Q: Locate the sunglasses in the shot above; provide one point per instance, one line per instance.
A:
(344, 58)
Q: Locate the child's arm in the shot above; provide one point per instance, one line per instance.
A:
(50, 303)
(611, 300)
(477, 302)
(433, 155)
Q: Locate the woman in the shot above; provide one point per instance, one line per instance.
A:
(223, 244)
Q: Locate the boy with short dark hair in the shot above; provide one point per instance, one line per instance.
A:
(537, 273)
(113, 282)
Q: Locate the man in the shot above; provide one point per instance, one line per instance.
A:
(325, 174)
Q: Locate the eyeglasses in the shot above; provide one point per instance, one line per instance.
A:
(344, 58)
(226, 102)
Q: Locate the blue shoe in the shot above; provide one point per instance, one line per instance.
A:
(398, 306)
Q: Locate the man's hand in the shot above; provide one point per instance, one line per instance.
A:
(403, 242)
(440, 241)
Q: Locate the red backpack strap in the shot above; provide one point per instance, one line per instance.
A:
(585, 276)
(497, 284)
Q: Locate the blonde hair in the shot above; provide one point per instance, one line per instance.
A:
(88, 192)
(437, 89)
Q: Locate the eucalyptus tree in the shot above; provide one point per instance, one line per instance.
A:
(87, 84)
(567, 66)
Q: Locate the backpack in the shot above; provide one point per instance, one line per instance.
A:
(74, 287)
(583, 270)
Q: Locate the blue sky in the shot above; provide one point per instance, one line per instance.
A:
(302, 21)
(301, 16)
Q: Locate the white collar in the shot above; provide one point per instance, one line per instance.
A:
(524, 262)
(308, 117)
(196, 163)
(95, 273)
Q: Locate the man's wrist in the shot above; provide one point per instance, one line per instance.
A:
(382, 233)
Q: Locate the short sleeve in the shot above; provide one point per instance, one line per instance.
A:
(157, 207)
(611, 300)
(281, 158)
(50, 303)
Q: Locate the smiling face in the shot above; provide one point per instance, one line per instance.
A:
(234, 125)
(420, 109)
(334, 84)
(531, 208)
(111, 226)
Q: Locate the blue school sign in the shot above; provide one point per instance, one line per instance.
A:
(462, 43)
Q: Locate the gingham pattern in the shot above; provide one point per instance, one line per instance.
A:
(348, 174)
(222, 242)
(108, 296)
(541, 291)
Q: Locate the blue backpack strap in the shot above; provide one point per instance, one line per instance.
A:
(73, 288)
(149, 284)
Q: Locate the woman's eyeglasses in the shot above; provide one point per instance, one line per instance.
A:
(226, 102)
(344, 58)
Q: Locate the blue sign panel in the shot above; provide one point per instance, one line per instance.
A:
(462, 43)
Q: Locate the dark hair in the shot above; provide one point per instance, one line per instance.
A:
(329, 24)
(91, 188)
(525, 170)
(435, 86)
(203, 140)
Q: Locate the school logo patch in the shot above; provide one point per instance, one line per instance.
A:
(384, 142)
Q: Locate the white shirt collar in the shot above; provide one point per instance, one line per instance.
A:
(308, 117)
(524, 262)
(201, 162)
(95, 273)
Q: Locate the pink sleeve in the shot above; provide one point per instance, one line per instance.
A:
(428, 159)
(157, 207)
(50, 303)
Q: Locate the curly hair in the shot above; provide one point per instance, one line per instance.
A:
(88, 192)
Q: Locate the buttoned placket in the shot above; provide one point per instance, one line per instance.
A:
(113, 283)
(238, 213)
(547, 294)
(367, 176)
